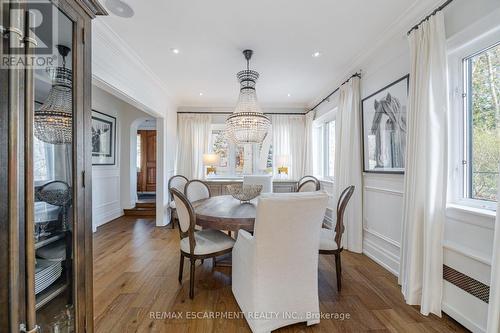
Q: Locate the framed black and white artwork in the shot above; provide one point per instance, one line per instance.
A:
(103, 139)
(384, 128)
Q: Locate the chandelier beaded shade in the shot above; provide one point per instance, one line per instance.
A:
(54, 119)
(247, 124)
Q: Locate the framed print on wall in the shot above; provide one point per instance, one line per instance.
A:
(103, 139)
(384, 128)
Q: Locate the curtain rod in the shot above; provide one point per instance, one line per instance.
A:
(271, 113)
(333, 92)
(415, 27)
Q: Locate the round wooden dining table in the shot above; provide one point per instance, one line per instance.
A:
(225, 213)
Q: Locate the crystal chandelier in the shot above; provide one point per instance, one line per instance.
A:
(54, 119)
(247, 124)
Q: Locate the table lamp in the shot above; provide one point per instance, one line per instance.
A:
(282, 161)
(210, 160)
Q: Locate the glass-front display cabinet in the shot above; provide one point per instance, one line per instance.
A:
(45, 166)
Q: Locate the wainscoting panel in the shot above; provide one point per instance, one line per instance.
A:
(382, 219)
(105, 195)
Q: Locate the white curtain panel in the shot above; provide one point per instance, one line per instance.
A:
(494, 305)
(348, 162)
(193, 141)
(288, 139)
(424, 203)
(308, 144)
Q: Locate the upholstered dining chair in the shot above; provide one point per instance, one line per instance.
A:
(207, 243)
(265, 180)
(307, 178)
(196, 190)
(178, 182)
(331, 240)
(270, 273)
(308, 186)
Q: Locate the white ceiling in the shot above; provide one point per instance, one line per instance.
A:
(283, 34)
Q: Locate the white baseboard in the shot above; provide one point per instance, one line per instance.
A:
(106, 217)
(463, 320)
(381, 256)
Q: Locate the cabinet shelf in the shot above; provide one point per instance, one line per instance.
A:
(49, 239)
(51, 292)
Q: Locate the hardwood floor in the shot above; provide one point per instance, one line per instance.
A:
(136, 289)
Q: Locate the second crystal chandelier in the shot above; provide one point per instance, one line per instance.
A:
(247, 124)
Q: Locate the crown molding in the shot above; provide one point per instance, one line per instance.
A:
(118, 69)
(201, 109)
(397, 29)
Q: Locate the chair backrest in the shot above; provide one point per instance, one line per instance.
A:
(186, 217)
(344, 198)
(57, 193)
(283, 221)
(196, 190)
(308, 186)
(178, 182)
(307, 178)
(265, 180)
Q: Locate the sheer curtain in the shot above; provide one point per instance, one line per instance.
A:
(193, 141)
(308, 144)
(288, 139)
(348, 162)
(494, 305)
(424, 200)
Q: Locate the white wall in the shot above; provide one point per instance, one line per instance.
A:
(468, 236)
(113, 185)
(118, 70)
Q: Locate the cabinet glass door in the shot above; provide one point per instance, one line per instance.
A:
(53, 178)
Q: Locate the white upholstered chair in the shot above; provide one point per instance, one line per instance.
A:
(196, 190)
(195, 244)
(308, 186)
(276, 270)
(178, 182)
(265, 180)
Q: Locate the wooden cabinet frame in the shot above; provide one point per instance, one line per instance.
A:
(16, 177)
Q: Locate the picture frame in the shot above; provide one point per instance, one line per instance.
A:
(383, 119)
(103, 139)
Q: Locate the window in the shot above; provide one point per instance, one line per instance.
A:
(481, 84)
(220, 147)
(236, 160)
(324, 145)
(43, 157)
(331, 148)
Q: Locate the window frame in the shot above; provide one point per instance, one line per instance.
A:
(321, 135)
(231, 171)
(460, 48)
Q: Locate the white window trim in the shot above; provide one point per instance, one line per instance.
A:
(477, 37)
(321, 122)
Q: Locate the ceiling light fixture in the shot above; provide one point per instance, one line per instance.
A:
(175, 51)
(247, 124)
(316, 54)
(201, 94)
(289, 94)
(54, 120)
(119, 8)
